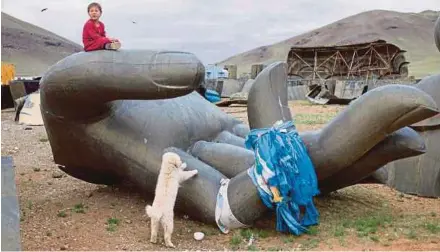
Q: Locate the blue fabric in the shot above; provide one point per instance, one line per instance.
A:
(212, 96)
(282, 161)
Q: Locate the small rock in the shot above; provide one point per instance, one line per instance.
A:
(49, 183)
(57, 174)
(16, 148)
(128, 221)
(36, 169)
(89, 194)
(28, 128)
(64, 247)
(185, 217)
(124, 248)
(199, 236)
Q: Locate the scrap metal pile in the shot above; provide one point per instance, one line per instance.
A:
(341, 73)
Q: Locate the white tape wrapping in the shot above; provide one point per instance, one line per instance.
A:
(224, 217)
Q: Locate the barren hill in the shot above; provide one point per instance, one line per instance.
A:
(31, 48)
(413, 32)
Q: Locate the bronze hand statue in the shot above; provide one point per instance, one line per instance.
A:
(419, 175)
(110, 115)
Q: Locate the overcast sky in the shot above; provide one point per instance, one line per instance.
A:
(213, 30)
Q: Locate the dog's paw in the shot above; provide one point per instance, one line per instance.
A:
(169, 244)
(153, 240)
(148, 210)
(195, 172)
(183, 166)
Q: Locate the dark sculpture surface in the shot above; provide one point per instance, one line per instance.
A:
(419, 175)
(110, 116)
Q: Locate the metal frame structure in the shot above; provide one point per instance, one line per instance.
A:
(371, 60)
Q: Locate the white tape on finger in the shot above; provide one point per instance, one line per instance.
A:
(224, 217)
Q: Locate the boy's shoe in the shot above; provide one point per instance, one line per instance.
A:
(113, 46)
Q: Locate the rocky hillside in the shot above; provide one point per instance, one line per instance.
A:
(413, 32)
(30, 48)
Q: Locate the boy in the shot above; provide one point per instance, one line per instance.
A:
(94, 32)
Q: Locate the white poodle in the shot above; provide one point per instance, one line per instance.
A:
(171, 175)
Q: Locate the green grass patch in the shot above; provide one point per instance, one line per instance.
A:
(411, 234)
(209, 231)
(369, 224)
(339, 231)
(246, 233)
(62, 214)
(289, 239)
(310, 244)
(112, 223)
(263, 233)
(433, 228)
(312, 119)
(235, 241)
(313, 230)
(79, 208)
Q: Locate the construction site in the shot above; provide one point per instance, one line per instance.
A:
(341, 73)
(326, 74)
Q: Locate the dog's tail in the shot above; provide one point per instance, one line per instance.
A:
(153, 212)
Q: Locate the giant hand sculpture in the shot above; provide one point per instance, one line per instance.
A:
(419, 175)
(111, 115)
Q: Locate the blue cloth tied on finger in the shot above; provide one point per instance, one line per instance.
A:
(284, 176)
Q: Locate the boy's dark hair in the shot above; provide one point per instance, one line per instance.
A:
(94, 4)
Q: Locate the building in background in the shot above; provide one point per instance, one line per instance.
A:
(213, 72)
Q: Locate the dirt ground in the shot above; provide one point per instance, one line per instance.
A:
(59, 212)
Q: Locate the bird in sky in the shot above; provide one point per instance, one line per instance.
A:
(44, 9)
